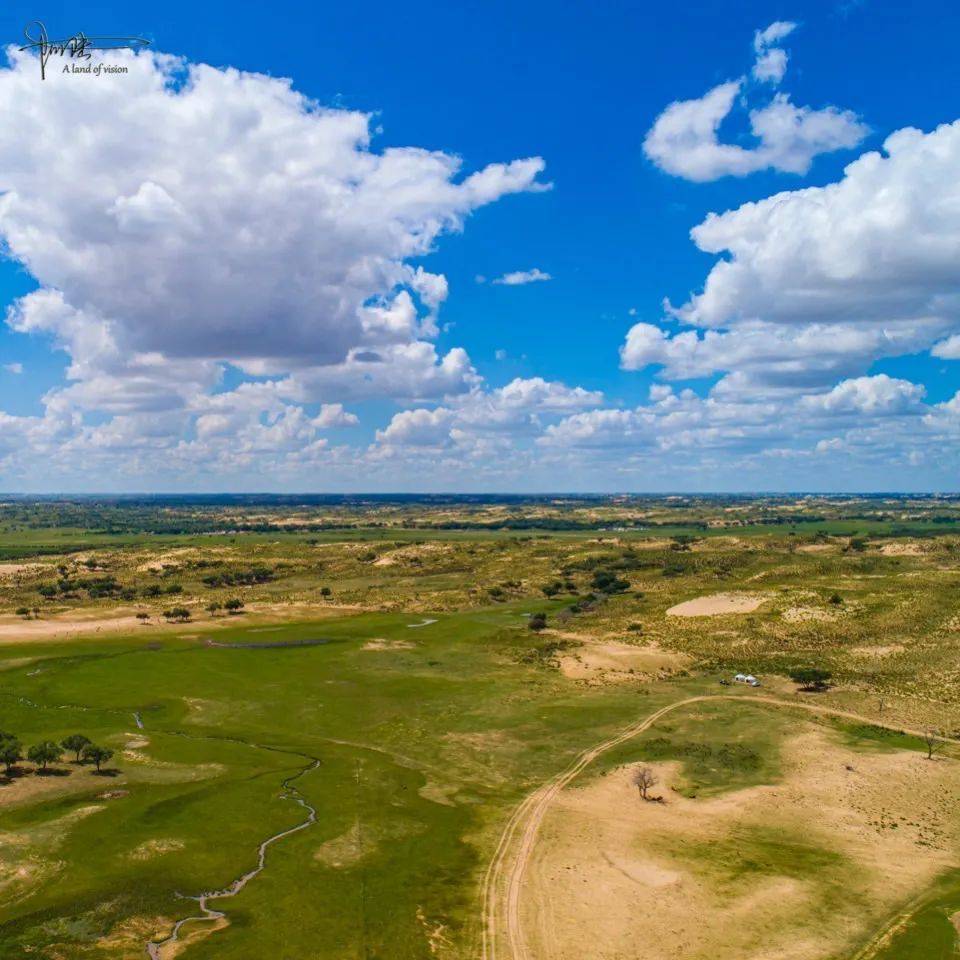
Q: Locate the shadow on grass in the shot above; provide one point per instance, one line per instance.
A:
(14, 773)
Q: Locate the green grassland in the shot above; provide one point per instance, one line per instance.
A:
(423, 748)
(416, 747)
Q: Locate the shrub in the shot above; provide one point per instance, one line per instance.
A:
(608, 582)
(813, 679)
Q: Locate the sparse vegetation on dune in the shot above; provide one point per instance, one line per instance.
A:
(200, 655)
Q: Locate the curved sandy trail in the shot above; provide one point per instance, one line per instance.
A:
(890, 929)
(155, 948)
(512, 856)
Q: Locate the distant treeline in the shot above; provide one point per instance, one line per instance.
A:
(78, 518)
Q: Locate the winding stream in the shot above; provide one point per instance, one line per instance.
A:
(155, 947)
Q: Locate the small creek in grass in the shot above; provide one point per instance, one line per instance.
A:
(290, 792)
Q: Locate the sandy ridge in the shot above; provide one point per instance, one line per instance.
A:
(529, 814)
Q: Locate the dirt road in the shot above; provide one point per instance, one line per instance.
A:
(502, 931)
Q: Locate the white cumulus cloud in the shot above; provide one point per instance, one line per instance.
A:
(521, 277)
(205, 218)
(771, 62)
(684, 139)
(278, 238)
(815, 285)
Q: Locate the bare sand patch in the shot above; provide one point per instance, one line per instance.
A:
(808, 615)
(347, 849)
(155, 848)
(653, 543)
(717, 604)
(379, 643)
(609, 661)
(442, 793)
(27, 856)
(126, 938)
(30, 788)
(170, 558)
(14, 663)
(814, 547)
(190, 933)
(880, 650)
(62, 626)
(611, 872)
(82, 622)
(11, 570)
(412, 552)
(899, 548)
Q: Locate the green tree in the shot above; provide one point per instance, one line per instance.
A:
(606, 581)
(11, 751)
(75, 743)
(97, 755)
(44, 753)
(537, 622)
(233, 605)
(814, 679)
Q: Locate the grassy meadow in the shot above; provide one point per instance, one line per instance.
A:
(382, 654)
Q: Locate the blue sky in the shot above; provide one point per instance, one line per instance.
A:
(580, 86)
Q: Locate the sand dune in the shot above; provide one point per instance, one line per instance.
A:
(718, 603)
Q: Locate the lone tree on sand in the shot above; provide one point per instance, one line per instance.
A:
(233, 605)
(43, 753)
(97, 755)
(75, 744)
(11, 751)
(933, 741)
(644, 779)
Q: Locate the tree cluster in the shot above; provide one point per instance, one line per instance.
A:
(240, 578)
(48, 752)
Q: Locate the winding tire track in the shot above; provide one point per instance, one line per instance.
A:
(503, 880)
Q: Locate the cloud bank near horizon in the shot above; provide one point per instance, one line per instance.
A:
(234, 309)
